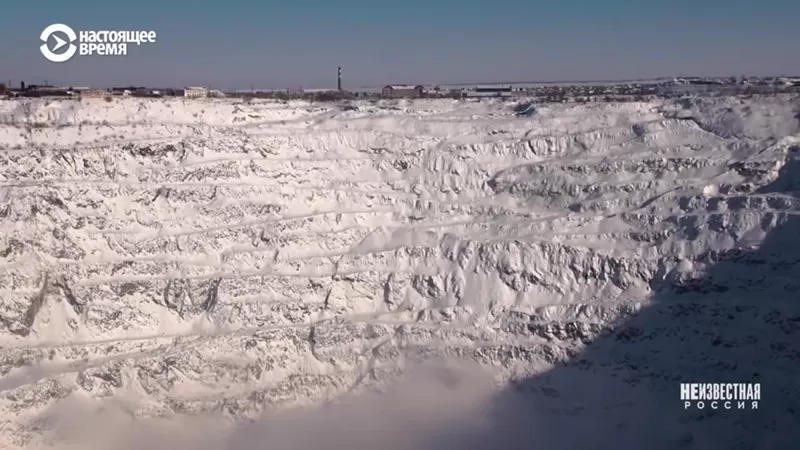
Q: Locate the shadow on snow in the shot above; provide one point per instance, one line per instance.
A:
(740, 322)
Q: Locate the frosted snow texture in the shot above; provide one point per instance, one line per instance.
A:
(214, 259)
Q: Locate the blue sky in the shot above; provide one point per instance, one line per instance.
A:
(237, 43)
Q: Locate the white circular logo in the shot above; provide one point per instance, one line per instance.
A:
(65, 30)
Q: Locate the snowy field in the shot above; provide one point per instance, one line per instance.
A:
(173, 272)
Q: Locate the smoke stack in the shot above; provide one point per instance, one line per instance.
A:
(339, 80)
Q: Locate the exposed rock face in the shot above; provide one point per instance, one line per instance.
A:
(215, 257)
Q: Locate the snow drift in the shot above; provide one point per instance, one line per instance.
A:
(213, 260)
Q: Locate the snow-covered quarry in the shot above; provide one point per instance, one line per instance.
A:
(174, 274)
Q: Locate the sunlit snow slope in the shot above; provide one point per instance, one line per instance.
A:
(231, 257)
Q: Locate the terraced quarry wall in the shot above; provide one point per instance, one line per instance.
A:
(227, 259)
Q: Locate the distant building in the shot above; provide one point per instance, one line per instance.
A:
(147, 92)
(402, 91)
(127, 88)
(168, 92)
(136, 91)
(317, 91)
(45, 91)
(490, 91)
(493, 89)
(93, 93)
(3, 90)
(42, 87)
(195, 92)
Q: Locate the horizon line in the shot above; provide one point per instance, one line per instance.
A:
(477, 83)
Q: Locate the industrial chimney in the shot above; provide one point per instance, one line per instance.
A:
(339, 79)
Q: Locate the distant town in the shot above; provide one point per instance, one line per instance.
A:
(546, 92)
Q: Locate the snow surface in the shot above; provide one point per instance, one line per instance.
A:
(172, 269)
